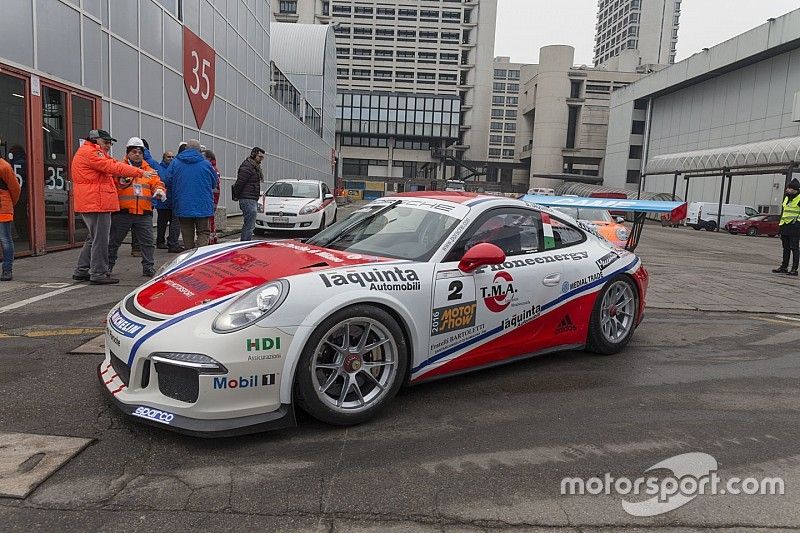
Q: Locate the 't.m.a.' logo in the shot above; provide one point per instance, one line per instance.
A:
(396, 279)
(499, 295)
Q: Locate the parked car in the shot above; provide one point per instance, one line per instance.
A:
(703, 215)
(753, 226)
(231, 338)
(542, 191)
(295, 205)
(455, 186)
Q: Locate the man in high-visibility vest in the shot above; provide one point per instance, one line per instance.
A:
(136, 209)
(789, 229)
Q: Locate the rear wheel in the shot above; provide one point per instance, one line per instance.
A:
(711, 225)
(352, 366)
(614, 316)
(752, 231)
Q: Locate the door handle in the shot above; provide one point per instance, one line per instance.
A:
(552, 280)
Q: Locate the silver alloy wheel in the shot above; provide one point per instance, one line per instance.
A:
(617, 311)
(354, 364)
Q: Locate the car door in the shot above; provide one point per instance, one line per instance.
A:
(329, 203)
(771, 225)
(483, 317)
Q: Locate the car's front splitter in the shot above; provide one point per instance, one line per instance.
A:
(280, 418)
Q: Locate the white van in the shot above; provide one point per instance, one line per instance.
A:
(542, 191)
(703, 215)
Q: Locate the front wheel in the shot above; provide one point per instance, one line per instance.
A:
(352, 366)
(711, 226)
(614, 316)
(752, 231)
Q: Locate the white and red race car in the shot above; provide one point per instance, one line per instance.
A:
(231, 338)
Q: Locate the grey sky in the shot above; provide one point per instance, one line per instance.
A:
(524, 26)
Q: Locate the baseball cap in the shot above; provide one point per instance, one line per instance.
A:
(101, 134)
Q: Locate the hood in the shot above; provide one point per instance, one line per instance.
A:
(239, 268)
(190, 155)
(290, 205)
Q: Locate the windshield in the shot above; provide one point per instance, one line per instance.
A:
(592, 215)
(399, 231)
(293, 189)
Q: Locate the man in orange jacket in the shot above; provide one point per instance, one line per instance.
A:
(9, 195)
(95, 198)
(136, 209)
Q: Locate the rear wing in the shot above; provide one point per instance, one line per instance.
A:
(675, 210)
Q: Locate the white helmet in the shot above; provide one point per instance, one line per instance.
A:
(135, 141)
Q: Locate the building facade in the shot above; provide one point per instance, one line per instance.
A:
(563, 118)
(67, 67)
(737, 101)
(414, 82)
(635, 34)
(502, 161)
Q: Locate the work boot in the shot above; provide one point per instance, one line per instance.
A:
(81, 277)
(792, 273)
(6, 276)
(108, 280)
(780, 270)
(176, 249)
(161, 246)
(148, 272)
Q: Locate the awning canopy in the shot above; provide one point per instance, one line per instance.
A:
(767, 154)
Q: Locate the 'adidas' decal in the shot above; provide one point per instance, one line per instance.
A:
(565, 325)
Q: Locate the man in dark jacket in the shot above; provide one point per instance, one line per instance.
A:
(191, 180)
(248, 190)
(789, 229)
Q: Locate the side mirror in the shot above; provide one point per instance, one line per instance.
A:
(620, 220)
(481, 254)
(329, 196)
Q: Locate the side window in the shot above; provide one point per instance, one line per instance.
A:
(325, 190)
(515, 231)
(749, 211)
(564, 235)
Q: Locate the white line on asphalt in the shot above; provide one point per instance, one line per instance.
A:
(54, 285)
(23, 303)
(793, 319)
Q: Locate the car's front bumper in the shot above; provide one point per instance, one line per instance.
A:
(307, 222)
(281, 418)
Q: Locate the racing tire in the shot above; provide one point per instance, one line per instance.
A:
(752, 231)
(352, 366)
(608, 333)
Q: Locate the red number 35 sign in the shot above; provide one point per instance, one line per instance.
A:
(199, 67)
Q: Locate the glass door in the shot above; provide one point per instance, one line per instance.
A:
(82, 121)
(13, 147)
(56, 168)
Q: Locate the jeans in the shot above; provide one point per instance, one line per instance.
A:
(166, 217)
(7, 245)
(249, 209)
(791, 246)
(188, 228)
(141, 227)
(94, 254)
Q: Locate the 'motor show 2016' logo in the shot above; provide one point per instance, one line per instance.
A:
(499, 296)
(453, 317)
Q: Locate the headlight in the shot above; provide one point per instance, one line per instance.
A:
(310, 208)
(259, 207)
(622, 234)
(179, 259)
(252, 306)
(196, 361)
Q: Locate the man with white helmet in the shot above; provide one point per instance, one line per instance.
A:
(136, 208)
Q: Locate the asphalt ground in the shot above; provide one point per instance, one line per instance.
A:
(483, 451)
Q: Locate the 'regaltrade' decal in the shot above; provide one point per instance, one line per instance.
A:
(498, 296)
(396, 279)
(243, 382)
(126, 327)
(453, 317)
(567, 286)
(532, 261)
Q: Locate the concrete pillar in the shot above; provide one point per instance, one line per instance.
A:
(550, 124)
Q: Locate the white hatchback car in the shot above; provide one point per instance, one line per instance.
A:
(295, 205)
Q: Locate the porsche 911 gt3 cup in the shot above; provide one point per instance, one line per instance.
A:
(232, 338)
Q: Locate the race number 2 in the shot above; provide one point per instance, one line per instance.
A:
(199, 67)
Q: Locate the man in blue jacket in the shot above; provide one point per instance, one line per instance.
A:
(191, 180)
(166, 217)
